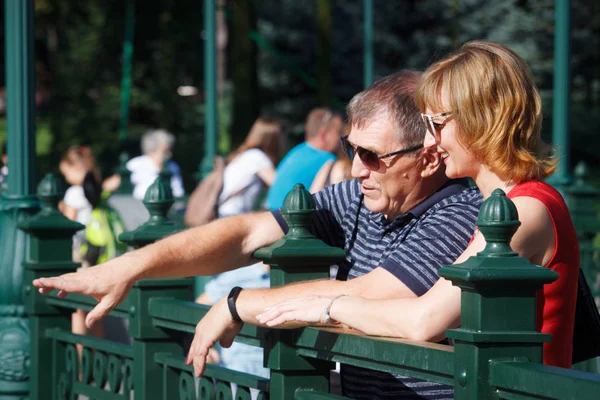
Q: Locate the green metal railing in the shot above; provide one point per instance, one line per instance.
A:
(492, 358)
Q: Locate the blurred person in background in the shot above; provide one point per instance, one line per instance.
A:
(333, 172)
(156, 147)
(301, 164)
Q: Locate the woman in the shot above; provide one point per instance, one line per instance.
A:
(251, 167)
(483, 113)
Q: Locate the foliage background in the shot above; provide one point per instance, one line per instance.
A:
(283, 57)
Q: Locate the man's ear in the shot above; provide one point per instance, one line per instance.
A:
(431, 160)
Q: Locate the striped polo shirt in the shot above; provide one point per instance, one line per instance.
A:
(412, 247)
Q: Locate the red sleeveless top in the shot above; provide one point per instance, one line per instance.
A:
(556, 302)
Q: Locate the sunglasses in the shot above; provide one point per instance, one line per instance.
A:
(435, 123)
(369, 158)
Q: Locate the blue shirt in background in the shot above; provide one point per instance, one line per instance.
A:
(300, 165)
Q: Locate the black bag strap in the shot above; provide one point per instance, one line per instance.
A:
(586, 331)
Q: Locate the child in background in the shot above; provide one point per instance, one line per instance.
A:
(85, 202)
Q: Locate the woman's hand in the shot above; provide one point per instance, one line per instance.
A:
(304, 309)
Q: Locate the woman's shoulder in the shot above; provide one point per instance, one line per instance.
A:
(542, 192)
(533, 188)
(253, 158)
(74, 191)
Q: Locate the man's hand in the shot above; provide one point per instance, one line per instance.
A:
(296, 312)
(217, 325)
(107, 283)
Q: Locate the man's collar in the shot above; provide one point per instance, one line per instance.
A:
(452, 187)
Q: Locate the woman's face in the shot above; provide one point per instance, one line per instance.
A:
(73, 173)
(459, 161)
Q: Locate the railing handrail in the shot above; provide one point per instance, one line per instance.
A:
(520, 377)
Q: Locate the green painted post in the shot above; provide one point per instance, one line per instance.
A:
(368, 43)
(210, 101)
(498, 306)
(19, 203)
(127, 61)
(210, 86)
(324, 28)
(148, 379)
(50, 254)
(299, 256)
(126, 187)
(562, 92)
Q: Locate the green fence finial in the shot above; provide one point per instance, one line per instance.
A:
(498, 221)
(158, 200)
(297, 210)
(50, 191)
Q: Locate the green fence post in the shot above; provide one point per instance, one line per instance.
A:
(125, 187)
(561, 105)
(367, 43)
(498, 302)
(299, 256)
(50, 254)
(148, 380)
(18, 203)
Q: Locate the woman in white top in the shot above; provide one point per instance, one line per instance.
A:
(250, 167)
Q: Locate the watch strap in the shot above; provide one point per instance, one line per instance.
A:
(231, 299)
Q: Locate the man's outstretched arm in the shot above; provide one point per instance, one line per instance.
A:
(220, 246)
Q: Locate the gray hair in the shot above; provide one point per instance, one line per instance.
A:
(153, 139)
(392, 97)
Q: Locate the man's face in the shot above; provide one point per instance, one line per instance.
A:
(386, 190)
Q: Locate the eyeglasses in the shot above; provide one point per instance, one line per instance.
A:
(435, 123)
(369, 158)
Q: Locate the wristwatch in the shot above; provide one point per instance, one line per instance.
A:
(231, 299)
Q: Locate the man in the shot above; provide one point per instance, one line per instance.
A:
(301, 164)
(399, 221)
(156, 148)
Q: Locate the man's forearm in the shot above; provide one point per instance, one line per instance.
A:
(222, 245)
(252, 302)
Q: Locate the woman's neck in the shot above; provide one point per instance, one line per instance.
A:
(487, 181)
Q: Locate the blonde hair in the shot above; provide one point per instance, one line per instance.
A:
(496, 105)
(266, 135)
